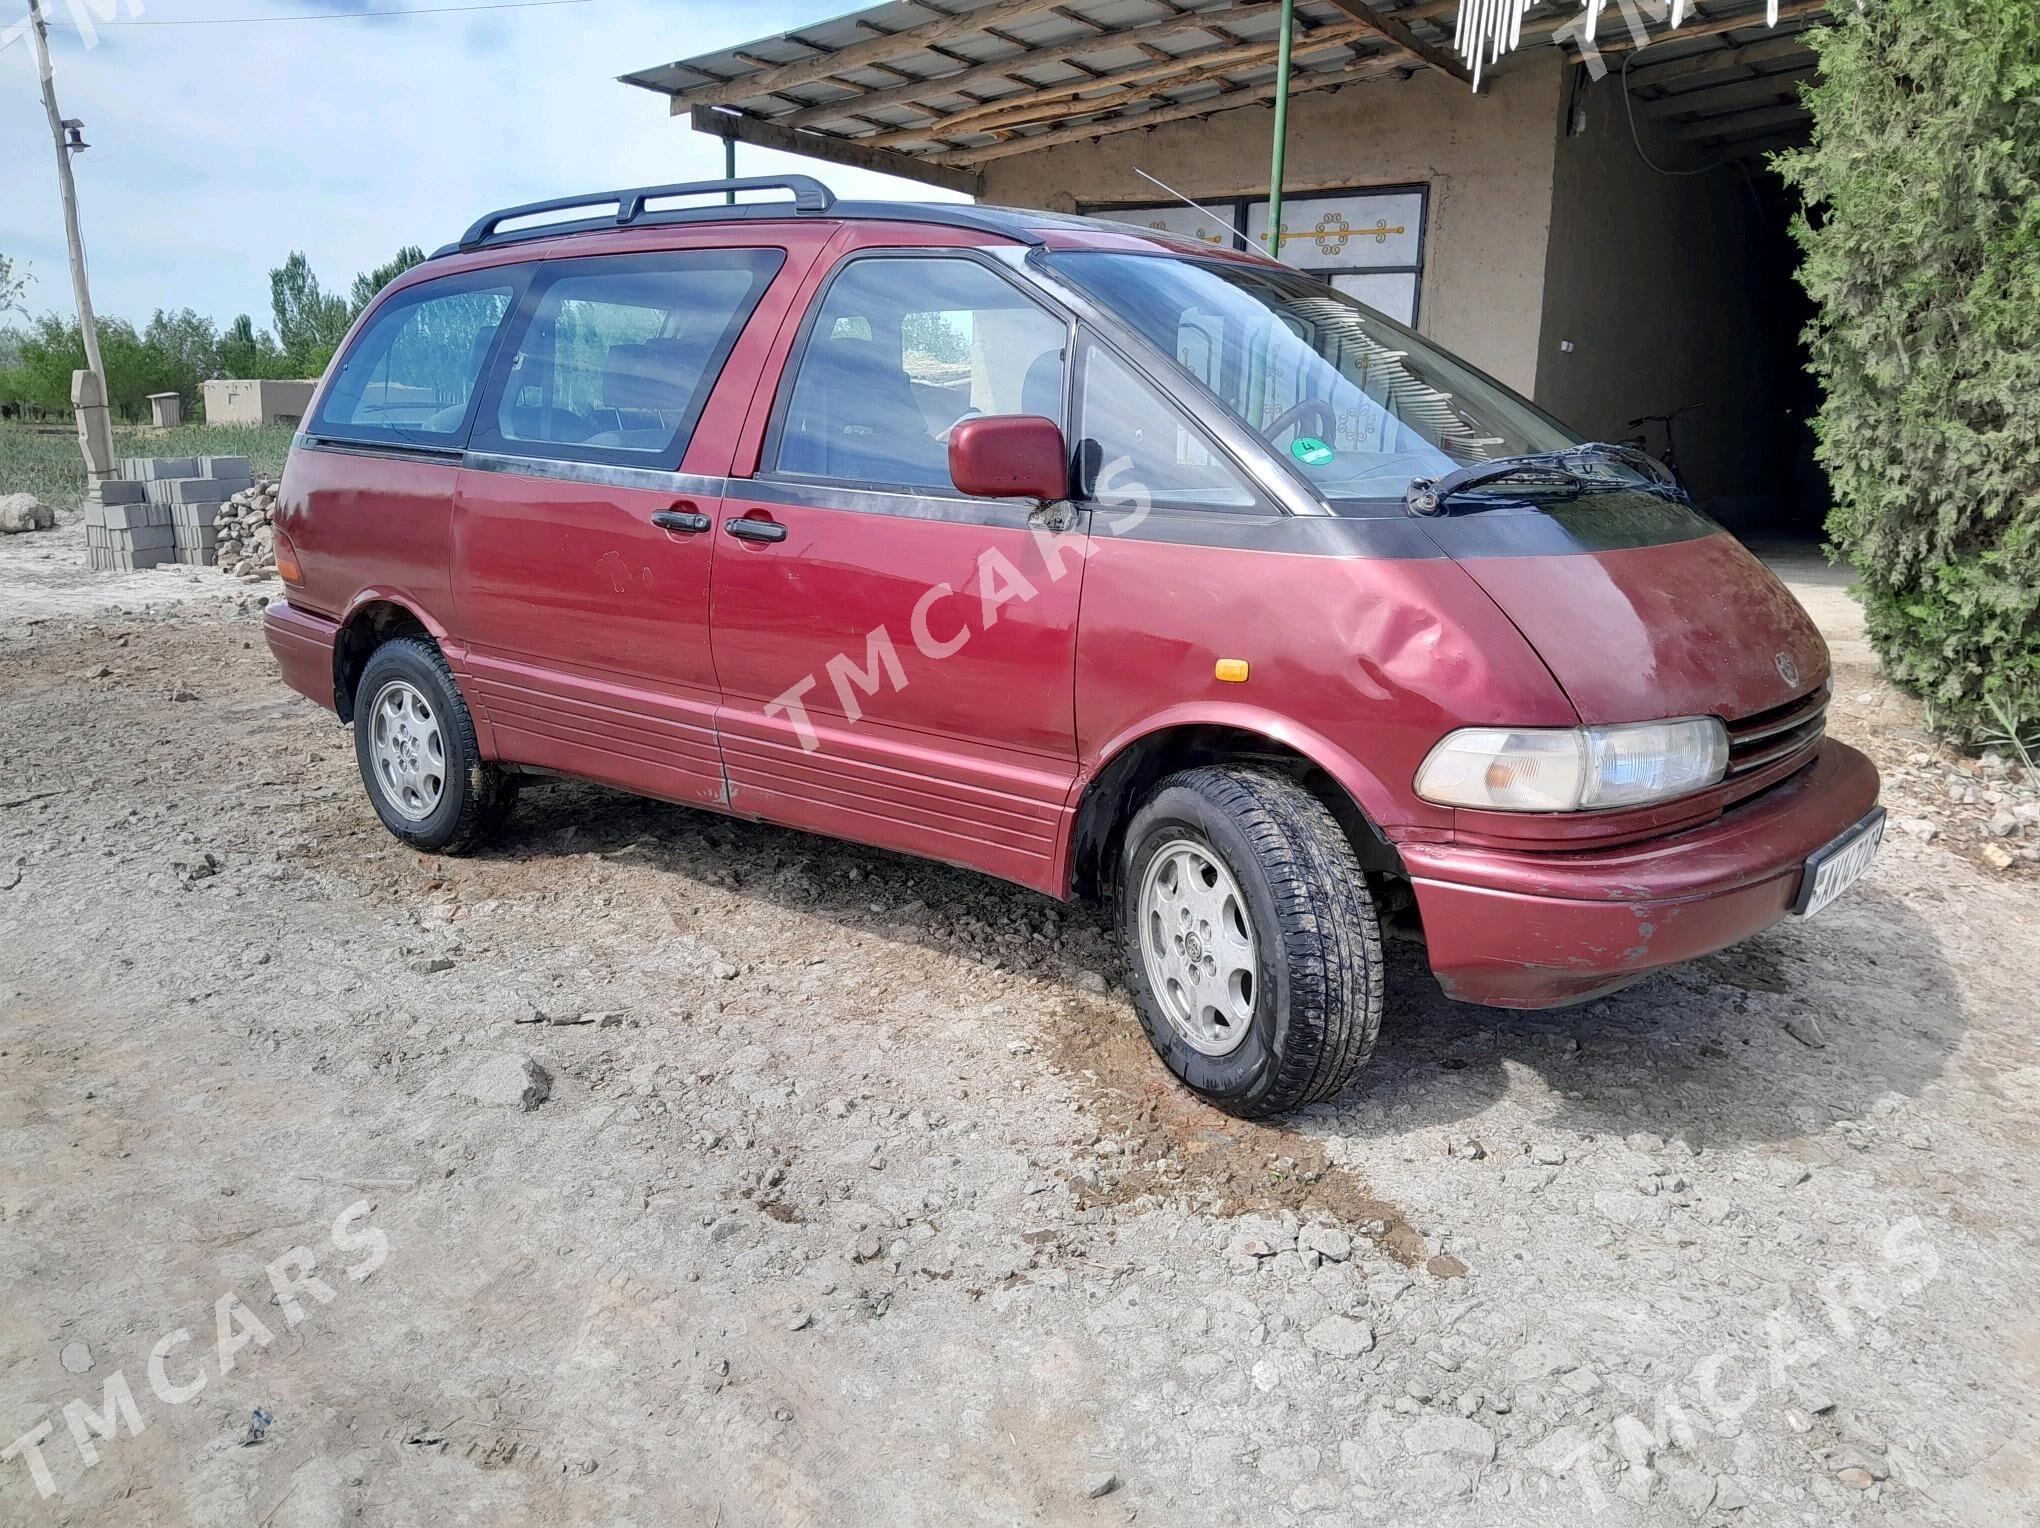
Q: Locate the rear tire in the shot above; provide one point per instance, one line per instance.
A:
(1251, 942)
(414, 741)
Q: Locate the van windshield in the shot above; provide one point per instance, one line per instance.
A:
(1359, 405)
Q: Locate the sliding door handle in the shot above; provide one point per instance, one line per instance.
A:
(755, 530)
(681, 520)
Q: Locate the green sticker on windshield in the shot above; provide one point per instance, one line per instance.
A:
(1311, 451)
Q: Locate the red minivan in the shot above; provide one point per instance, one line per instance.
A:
(1115, 565)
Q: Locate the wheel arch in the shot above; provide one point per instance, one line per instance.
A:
(374, 618)
(1133, 762)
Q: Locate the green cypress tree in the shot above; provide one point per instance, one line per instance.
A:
(1921, 250)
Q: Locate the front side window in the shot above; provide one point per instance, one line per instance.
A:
(410, 374)
(1358, 405)
(621, 353)
(901, 350)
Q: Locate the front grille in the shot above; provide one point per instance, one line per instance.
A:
(1786, 732)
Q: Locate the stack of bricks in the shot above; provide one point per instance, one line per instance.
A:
(160, 509)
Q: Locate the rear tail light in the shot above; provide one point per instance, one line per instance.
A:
(287, 567)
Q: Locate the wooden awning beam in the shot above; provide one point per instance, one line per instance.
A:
(1225, 100)
(1646, 73)
(910, 93)
(1764, 90)
(1398, 33)
(862, 55)
(1118, 89)
(843, 151)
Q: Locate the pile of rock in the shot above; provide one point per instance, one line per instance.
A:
(1992, 800)
(246, 544)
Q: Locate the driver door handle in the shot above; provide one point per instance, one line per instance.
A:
(755, 530)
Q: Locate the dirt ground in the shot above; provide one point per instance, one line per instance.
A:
(857, 1197)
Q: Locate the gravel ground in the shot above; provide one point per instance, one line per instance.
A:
(660, 1169)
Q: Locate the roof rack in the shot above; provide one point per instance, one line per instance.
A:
(809, 195)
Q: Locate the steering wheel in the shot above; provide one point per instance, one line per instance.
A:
(1296, 413)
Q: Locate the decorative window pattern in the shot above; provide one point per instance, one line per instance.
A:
(1367, 243)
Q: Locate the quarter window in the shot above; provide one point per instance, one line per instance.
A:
(902, 350)
(622, 352)
(411, 373)
(1134, 446)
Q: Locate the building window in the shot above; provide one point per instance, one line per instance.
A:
(1367, 243)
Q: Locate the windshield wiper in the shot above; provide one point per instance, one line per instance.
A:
(1429, 496)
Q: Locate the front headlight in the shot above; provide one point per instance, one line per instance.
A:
(1579, 769)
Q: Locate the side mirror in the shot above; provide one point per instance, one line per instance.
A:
(1009, 456)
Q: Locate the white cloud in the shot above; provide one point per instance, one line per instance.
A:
(216, 150)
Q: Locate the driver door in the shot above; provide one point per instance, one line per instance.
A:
(897, 660)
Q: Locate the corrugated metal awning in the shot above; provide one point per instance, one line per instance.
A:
(936, 90)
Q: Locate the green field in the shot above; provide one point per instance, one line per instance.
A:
(44, 459)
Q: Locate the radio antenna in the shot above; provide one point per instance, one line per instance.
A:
(1223, 222)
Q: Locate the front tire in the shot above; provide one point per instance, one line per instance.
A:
(414, 741)
(1251, 942)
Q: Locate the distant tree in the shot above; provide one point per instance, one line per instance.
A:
(368, 283)
(180, 350)
(934, 336)
(13, 284)
(309, 323)
(52, 349)
(245, 351)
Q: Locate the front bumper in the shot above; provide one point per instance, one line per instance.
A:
(303, 647)
(1518, 930)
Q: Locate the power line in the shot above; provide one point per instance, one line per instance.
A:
(225, 21)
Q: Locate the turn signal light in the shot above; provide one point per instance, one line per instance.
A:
(1231, 670)
(287, 567)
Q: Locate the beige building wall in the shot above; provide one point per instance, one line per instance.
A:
(245, 401)
(1671, 290)
(1487, 161)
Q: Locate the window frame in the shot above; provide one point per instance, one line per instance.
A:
(486, 429)
(318, 428)
(769, 469)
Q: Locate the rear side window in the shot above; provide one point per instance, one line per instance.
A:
(620, 354)
(410, 376)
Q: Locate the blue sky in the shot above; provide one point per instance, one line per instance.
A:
(216, 150)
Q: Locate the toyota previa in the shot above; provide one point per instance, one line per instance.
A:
(1118, 566)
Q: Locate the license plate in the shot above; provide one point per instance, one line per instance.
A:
(1833, 870)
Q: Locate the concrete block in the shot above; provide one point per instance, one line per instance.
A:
(119, 491)
(162, 469)
(125, 517)
(231, 468)
(151, 536)
(95, 514)
(199, 491)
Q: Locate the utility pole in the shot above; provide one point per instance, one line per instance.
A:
(88, 396)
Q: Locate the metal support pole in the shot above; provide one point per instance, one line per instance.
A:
(91, 432)
(729, 166)
(1281, 129)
